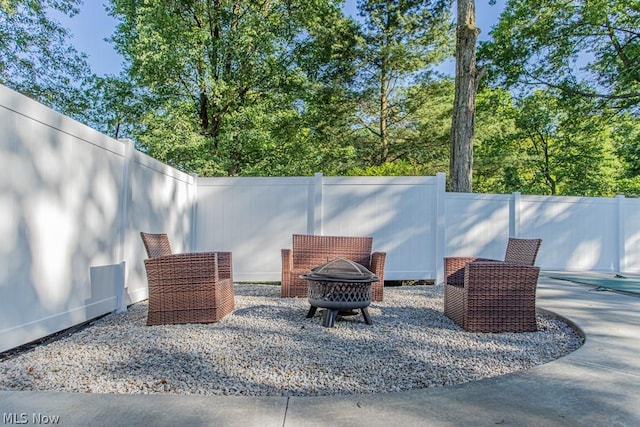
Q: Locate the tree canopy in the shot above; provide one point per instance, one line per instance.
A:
(229, 84)
(293, 87)
(37, 57)
(586, 48)
(401, 40)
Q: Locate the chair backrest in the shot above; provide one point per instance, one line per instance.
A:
(522, 251)
(156, 244)
(311, 251)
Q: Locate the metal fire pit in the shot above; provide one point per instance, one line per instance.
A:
(339, 286)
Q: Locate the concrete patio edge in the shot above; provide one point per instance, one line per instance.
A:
(597, 385)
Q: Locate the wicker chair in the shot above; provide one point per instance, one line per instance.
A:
(486, 295)
(309, 251)
(186, 288)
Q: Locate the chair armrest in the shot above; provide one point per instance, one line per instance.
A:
(454, 268)
(285, 278)
(189, 268)
(377, 264)
(287, 260)
(225, 265)
(493, 277)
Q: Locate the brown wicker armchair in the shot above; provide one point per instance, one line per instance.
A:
(486, 295)
(186, 288)
(309, 251)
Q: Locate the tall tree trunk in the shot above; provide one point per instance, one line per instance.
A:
(384, 112)
(464, 105)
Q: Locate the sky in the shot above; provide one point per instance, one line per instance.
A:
(93, 25)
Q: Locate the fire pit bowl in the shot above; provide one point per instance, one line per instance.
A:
(339, 286)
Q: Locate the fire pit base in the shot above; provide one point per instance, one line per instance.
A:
(339, 298)
(340, 285)
(330, 315)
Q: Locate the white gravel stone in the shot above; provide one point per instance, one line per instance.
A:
(268, 347)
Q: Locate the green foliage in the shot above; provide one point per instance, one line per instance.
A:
(424, 137)
(36, 57)
(397, 168)
(547, 144)
(401, 41)
(573, 68)
(115, 106)
(406, 36)
(293, 87)
(241, 77)
(497, 156)
(587, 48)
(626, 135)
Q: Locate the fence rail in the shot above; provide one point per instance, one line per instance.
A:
(73, 202)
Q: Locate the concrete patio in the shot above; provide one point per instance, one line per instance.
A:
(597, 385)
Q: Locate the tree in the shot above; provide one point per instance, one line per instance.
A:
(328, 102)
(36, 57)
(467, 80)
(422, 142)
(225, 74)
(547, 144)
(585, 48)
(115, 105)
(402, 39)
(498, 154)
(626, 134)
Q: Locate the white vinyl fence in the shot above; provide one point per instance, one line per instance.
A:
(254, 218)
(73, 202)
(578, 233)
(414, 220)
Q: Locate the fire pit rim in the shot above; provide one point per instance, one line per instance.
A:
(359, 273)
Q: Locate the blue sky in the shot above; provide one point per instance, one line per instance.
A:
(92, 26)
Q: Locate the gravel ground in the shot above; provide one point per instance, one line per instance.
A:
(268, 348)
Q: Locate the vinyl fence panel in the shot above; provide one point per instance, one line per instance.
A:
(160, 199)
(59, 194)
(72, 204)
(629, 235)
(254, 219)
(400, 213)
(477, 224)
(578, 233)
